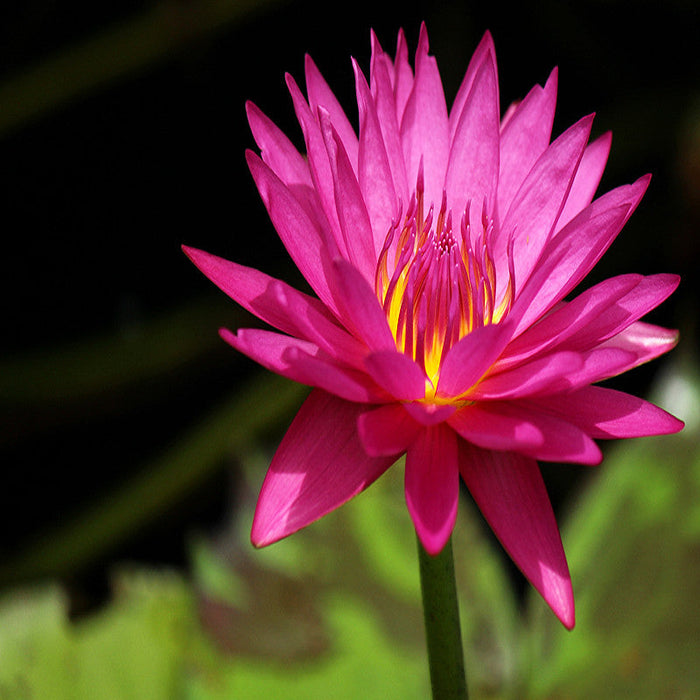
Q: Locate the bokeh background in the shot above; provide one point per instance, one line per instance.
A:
(133, 440)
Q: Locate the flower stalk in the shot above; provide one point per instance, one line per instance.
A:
(442, 628)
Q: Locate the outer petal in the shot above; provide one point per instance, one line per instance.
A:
(484, 51)
(381, 71)
(277, 150)
(551, 374)
(302, 362)
(349, 203)
(579, 314)
(533, 214)
(509, 490)
(574, 250)
(397, 373)
(424, 129)
(516, 427)
(300, 236)
(468, 360)
(387, 430)
(319, 165)
(587, 178)
(280, 305)
(472, 169)
(319, 465)
(606, 413)
(320, 95)
(360, 309)
(375, 171)
(524, 138)
(643, 342)
(432, 486)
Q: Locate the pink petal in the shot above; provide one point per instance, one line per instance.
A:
(302, 362)
(424, 129)
(382, 102)
(319, 465)
(280, 305)
(320, 95)
(299, 235)
(376, 174)
(587, 178)
(403, 76)
(543, 374)
(468, 360)
(510, 426)
(472, 169)
(432, 486)
(645, 296)
(359, 307)
(606, 413)
(319, 165)
(387, 430)
(349, 204)
(574, 251)
(568, 319)
(509, 490)
(429, 413)
(533, 214)
(397, 374)
(642, 342)
(485, 51)
(276, 149)
(524, 138)
(560, 371)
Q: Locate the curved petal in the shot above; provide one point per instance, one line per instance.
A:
(587, 178)
(387, 430)
(468, 360)
(319, 465)
(564, 321)
(397, 373)
(532, 216)
(300, 236)
(607, 413)
(280, 305)
(510, 426)
(320, 95)
(534, 377)
(349, 203)
(302, 362)
(424, 129)
(573, 252)
(524, 138)
(432, 486)
(277, 150)
(509, 490)
(381, 170)
(319, 165)
(642, 342)
(359, 307)
(560, 371)
(484, 51)
(472, 169)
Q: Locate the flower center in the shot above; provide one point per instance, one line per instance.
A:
(437, 284)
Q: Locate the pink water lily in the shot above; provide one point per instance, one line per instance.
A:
(440, 245)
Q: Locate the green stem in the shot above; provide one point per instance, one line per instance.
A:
(441, 613)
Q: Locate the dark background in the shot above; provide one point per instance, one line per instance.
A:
(122, 134)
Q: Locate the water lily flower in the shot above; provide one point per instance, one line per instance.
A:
(440, 245)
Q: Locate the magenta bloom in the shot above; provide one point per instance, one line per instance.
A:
(441, 244)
